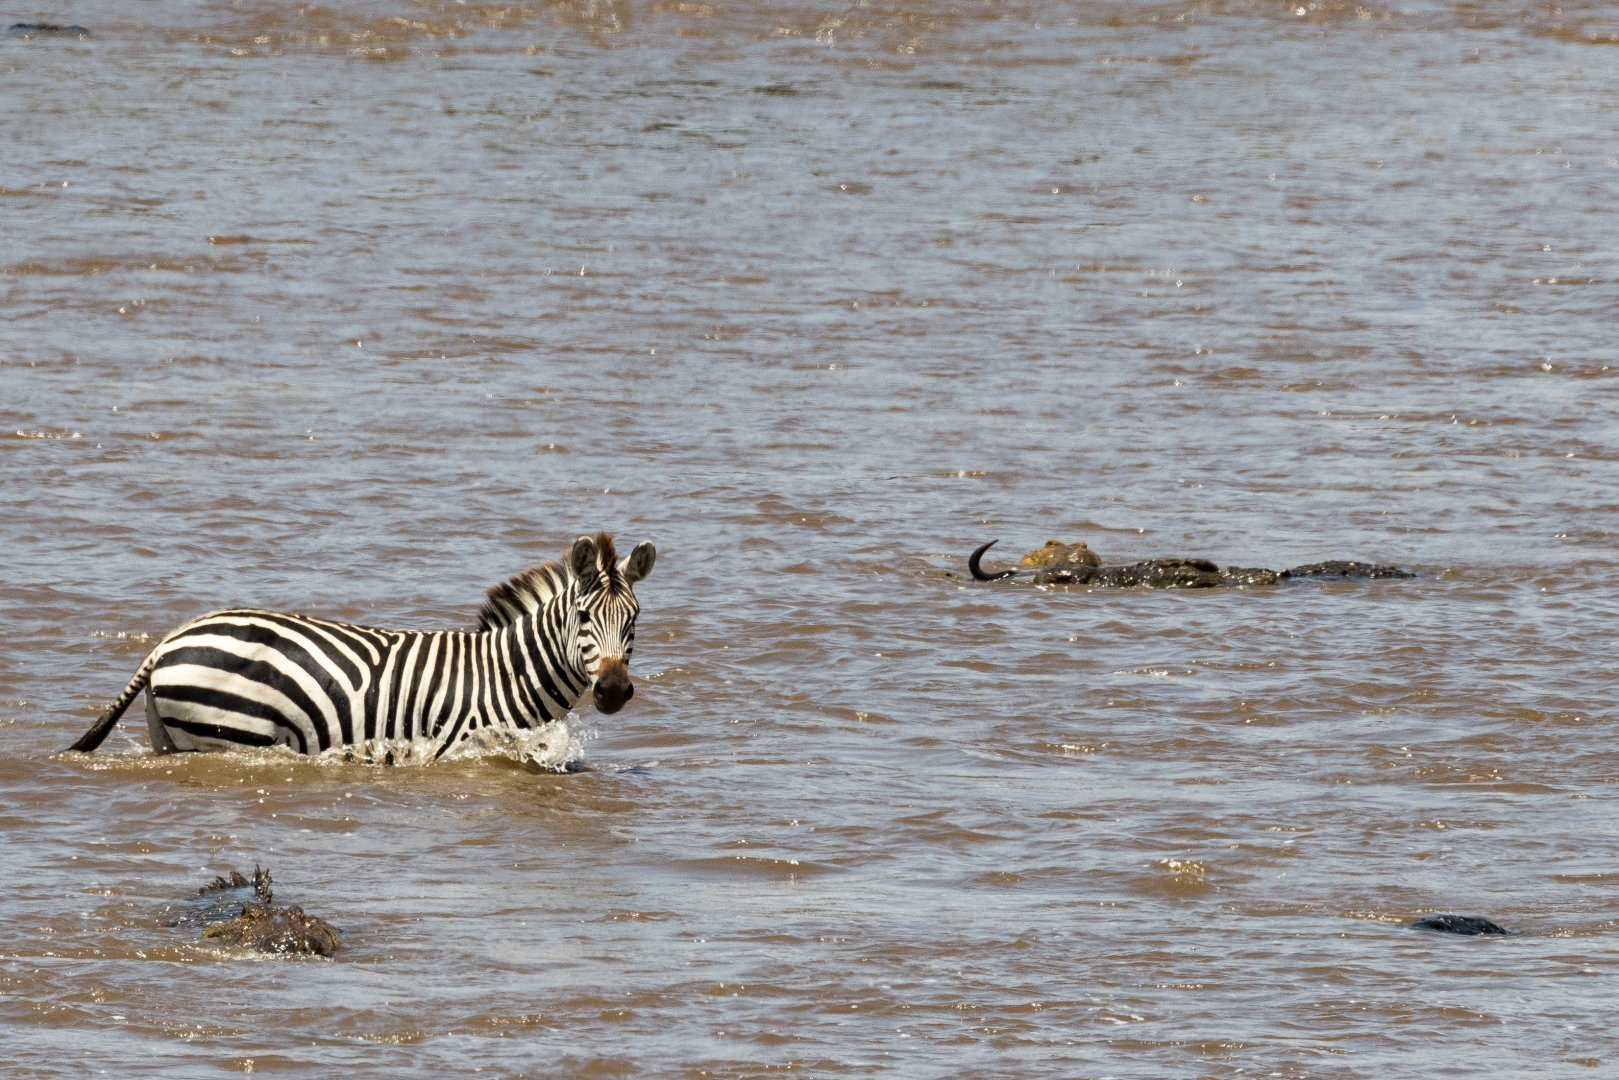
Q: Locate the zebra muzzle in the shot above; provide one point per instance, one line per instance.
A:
(613, 686)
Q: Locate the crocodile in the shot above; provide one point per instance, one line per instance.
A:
(283, 930)
(256, 924)
(33, 30)
(1177, 573)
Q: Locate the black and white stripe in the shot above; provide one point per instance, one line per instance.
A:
(245, 677)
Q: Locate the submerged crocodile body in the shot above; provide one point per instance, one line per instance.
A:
(1465, 925)
(33, 30)
(1165, 573)
(285, 931)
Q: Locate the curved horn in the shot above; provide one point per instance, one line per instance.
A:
(972, 564)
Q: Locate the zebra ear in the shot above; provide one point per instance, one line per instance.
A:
(582, 559)
(639, 562)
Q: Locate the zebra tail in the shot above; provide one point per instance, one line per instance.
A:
(108, 720)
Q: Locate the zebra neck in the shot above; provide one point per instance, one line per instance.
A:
(559, 664)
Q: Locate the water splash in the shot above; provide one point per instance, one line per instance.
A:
(554, 746)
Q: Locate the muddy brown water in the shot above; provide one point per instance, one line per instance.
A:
(356, 310)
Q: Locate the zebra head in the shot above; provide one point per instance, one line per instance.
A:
(606, 608)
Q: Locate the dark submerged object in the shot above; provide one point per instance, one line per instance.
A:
(286, 931)
(31, 30)
(1338, 568)
(1465, 925)
(1179, 573)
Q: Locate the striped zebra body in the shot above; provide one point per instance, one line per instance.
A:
(246, 677)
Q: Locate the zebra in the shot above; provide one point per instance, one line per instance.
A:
(248, 677)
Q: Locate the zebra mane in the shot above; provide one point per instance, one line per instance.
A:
(511, 600)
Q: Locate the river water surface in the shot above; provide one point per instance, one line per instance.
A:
(356, 310)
